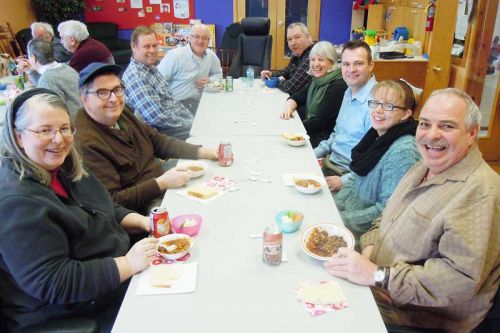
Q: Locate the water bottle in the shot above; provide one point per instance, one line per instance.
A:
(250, 76)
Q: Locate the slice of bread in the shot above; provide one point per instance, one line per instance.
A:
(163, 275)
(201, 192)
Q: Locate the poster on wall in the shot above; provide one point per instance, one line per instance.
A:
(144, 13)
(181, 8)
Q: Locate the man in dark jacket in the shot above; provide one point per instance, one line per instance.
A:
(123, 151)
(294, 77)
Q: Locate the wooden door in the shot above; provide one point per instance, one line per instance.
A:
(484, 75)
(441, 41)
(279, 12)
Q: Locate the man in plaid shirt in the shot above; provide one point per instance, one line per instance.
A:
(148, 93)
(294, 77)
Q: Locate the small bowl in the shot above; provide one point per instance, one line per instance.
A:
(179, 224)
(197, 168)
(293, 217)
(271, 82)
(308, 184)
(332, 230)
(174, 256)
(3, 86)
(295, 139)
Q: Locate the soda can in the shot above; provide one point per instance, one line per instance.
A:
(229, 83)
(159, 222)
(225, 154)
(19, 81)
(272, 245)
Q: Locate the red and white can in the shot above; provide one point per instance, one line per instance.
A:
(225, 154)
(272, 245)
(159, 221)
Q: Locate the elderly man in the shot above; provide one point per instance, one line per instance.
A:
(60, 78)
(123, 151)
(147, 91)
(295, 76)
(75, 38)
(434, 256)
(189, 68)
(42, 30)
(353, 120)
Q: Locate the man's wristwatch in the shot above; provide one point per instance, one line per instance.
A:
(381, 277)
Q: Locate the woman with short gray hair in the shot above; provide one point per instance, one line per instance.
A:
(319, 102)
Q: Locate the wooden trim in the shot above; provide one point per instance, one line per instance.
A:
(313, 17)
(487, 11)
(239, 10)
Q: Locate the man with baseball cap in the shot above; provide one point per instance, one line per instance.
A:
(121, 150)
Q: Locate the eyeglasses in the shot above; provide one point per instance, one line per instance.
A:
(385, 106)
(49, 134)
(105, 94)
(203, 38)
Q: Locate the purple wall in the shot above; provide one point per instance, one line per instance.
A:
(335, 21)
(218, 12)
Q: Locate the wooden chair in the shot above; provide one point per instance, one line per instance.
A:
(8, 42)
(226, 57)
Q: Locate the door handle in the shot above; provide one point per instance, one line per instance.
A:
(280, 23)
(437, 69)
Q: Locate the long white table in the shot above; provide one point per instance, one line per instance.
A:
(236, 291)
(243, 112)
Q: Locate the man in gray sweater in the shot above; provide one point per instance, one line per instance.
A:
(60, 78)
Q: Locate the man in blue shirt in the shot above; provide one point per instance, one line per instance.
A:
(353, 120)
(148, 93)
(189, 68)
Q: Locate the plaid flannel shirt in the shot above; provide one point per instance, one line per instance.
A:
(295, 74)
(147, 92)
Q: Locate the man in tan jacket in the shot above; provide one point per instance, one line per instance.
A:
(434, 256)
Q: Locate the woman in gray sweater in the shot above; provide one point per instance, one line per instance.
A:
(382, 156)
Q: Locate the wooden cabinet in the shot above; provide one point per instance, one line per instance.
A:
(412, 70)
(389, 14)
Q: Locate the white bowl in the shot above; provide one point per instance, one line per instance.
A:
(174, 256)
(290, 138)
(310, 188)
(196, 165)
(332, 230)
(214, 87)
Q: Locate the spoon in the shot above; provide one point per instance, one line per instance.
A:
(169, 248)
(267, 76)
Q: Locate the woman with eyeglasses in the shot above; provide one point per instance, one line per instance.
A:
(382, 156)
(64, 251)
(318, 103)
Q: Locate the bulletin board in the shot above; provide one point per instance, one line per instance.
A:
(128, 14)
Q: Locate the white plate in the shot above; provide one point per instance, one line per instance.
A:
(332, 230)
(295, 143)
(213, 88)
(194, 174)
(311, 189)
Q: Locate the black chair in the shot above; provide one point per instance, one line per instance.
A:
(107, 33)
(231, 38)
(255, 46)
(23, 36)
(230, 46)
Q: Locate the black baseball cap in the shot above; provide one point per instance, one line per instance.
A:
(96, 68)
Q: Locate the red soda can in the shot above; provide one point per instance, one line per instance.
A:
(272, 245)
(159, 221)
(225, 154)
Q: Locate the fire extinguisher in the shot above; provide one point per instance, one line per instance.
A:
(431, 12)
